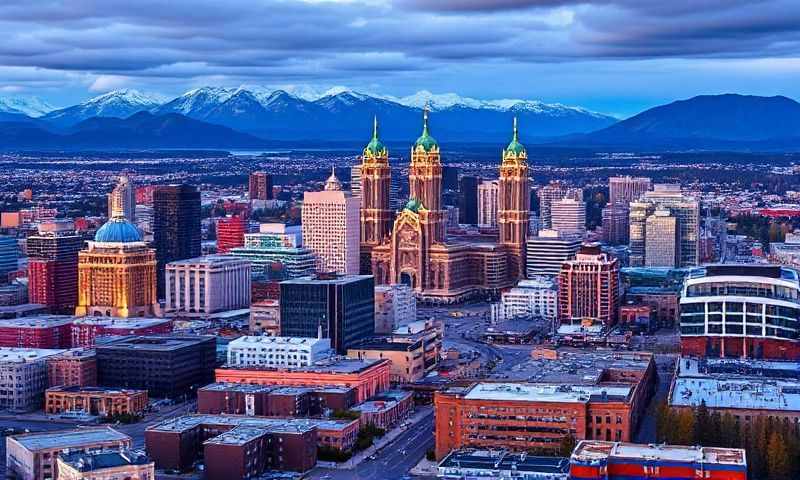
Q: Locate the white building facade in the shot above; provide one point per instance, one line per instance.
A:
(199, 287)
(534, 298)
(277, 352)
(395, 305)
(487, 203)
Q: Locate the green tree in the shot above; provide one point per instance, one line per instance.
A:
(684, 431)
(567, 445)
(777, 457)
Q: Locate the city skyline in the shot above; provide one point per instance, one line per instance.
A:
(616, 57)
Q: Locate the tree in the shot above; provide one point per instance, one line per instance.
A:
(567, 445)
(702, 424)
(684, 428)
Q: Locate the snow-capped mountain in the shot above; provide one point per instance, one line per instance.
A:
(117, 103)
(198, 101)
(30, 106)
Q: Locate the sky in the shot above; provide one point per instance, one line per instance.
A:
(612, 56)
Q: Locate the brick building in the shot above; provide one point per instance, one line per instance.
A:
(46, 331)
(366, 377)
(96, 401)
(230, 233)
(72, 368)
(271, 401)
(105, 465)
(85, 330)
(23, 377)
(589, 288)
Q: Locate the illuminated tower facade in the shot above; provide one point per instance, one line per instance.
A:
(117, 273)
(376, 213)
(425, 184)
(513, 209)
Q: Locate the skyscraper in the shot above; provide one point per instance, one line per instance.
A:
(374, 185)
(468, 200)
(683, 207)
(117, 273)
(568, 216)
(9, 255)
(450, 178)
(260, 186)
(340, 307)
(661, 240)
(123, 198)
(550, 193)
(487, 203)
(53, 266)
(176, 226)
(355, 180)
(513, 204)
(200, 287)
(331, 228)
(624, 190)
(615, 224)
(589, 288)
(230, 233)
(548, 251)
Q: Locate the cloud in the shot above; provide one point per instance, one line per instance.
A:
(105, 83)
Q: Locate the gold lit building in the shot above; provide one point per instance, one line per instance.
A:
(416, 251)
(117, 273)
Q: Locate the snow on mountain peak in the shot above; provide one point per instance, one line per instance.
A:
(127, 96)
(30, 106)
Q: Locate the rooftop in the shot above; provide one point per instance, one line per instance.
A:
(114, 322)
(89, 462)
(577, 366)
(103, 390)
(594, 450)
(155, 342)
(387, 345)
(540, 392)
(60, 439)
(267, 340)
(21, 355)
(210, 261)
(326, 279)
(500, 460)
(334, 365)
(39, 321)
(189, 422)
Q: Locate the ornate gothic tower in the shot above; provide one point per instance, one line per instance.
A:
(513, 209)
(425, 183)
(376, 215)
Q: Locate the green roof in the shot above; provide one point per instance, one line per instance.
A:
(426, 141)
(375, 147)
(515, 147)
(413, 204)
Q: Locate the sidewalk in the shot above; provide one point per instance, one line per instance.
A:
(421, 414)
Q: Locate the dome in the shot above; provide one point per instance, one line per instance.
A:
(515, 147)
(413, 205)
(118, 230)
(375, 147)
(426, 141)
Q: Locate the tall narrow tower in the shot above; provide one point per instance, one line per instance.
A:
(513, 208)
(376, 214)
(425, 182)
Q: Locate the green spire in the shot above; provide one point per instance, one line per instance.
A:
(413, 205)
(375, 147)
(426, 141)
(515, 147)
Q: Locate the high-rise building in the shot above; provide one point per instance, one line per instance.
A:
(450, 178)
(331, 228)
(53, 266)
(201, 287)
(589, 288)
(568, 216)
(487, 203)
(374, 187)
(117, 273)
(548, 251)
(615, 224)
(355, 180)
(683, 207)
(176, 229)
(741, 311)
(552, 192)
(230, 233)
(514, 206)
(123, 198)
(624, 190)
(260, 186)
(9, 256)
(468, 200)
(339, 307)
(661, 240)
(276, 253)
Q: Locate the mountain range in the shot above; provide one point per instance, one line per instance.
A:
(214, 117)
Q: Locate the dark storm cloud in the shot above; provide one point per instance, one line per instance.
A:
(250, 40)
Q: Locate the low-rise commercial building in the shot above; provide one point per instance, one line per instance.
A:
(165, 366)
(597, 460)
(86, 330)
(394, 305)
(270, 401)
(33, 456)
(76, 367)
(429, 332)
(367, 377)
(407, 359)
(278, 352)
(45, 331)
(386, 409)
(176, 443)
(471, 463)
(96, 401)
(200, 287)
(105, 465)
(534, 298)
(265, 318)
(23, 377)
